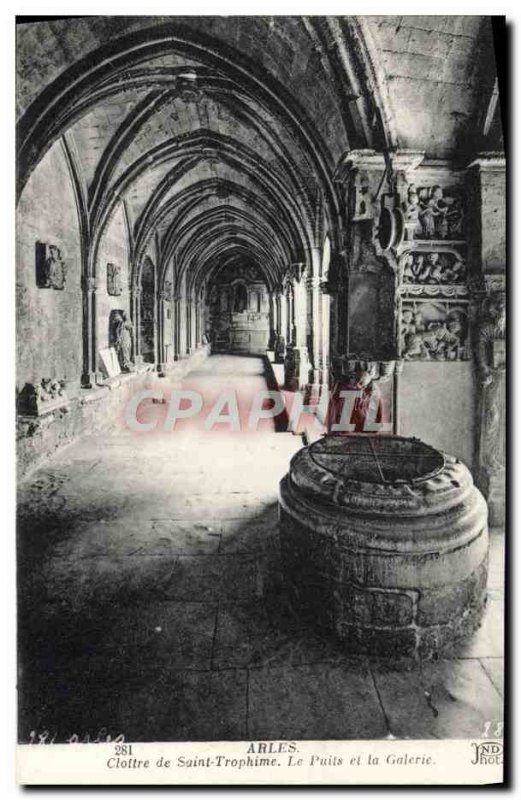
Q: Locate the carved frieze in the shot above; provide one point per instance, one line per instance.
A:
(432, 268)
(114, 280)
(51, 269)
(489, 339)
(490, 358)
(434, 212)
(89, 284)
(433, 330)
(40, 398)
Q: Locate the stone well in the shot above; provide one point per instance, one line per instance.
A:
(384, 543)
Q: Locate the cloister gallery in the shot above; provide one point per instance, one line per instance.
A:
(283, 208)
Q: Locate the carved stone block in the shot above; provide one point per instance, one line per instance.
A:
(432, 267)
(40, 398)
(434, 331)
(440, 213)
(109, 362)
(114, 280)
(51, 270)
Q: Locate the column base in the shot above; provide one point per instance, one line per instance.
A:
(88, 380)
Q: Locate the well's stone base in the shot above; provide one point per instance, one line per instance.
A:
(386, 584)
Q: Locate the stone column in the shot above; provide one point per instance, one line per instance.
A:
(272, 321)
(325, 343)
(182, 327)
(297, 365)
(197, 323)
(283, 305)
(193, 327)
(361, 174)
(487, 250)
(188, 348)
(135, 310)
(290, 331)
(160, 364)
(88, 378)
(313, 296)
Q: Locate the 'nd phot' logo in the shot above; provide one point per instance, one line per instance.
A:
(487, 753)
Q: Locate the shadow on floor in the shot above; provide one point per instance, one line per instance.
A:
(281, 421)
(188, 635)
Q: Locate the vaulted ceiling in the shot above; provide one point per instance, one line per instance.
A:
(221, 135)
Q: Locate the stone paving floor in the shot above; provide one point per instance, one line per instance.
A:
(152, 604)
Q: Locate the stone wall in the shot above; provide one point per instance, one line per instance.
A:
(49, 320)
(437, 405)
(113, 250)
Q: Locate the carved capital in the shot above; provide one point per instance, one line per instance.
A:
(360, 370)
(489, 337)
(45, 396)
(89, 284)
(297, 271)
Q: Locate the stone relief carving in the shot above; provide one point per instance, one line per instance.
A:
(297, 272)
(36, 399)
(114, 280)
(432, 268)
(353, 371)
(431, 332)
(89, 284)
(123, 337)
(51, 269)
(440, 213)
(489, 344)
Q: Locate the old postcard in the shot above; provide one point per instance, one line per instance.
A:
(261, 279)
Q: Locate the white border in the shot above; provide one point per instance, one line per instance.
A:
(7, 195)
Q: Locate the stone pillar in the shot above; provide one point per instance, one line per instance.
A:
(325, 313)
(272, 321)
(177, 319)
(88, 378)
(314, 305)
(297, 365)
(361, 175)
(160, 364)
(135, 311)
(487, 248)
(283, 300)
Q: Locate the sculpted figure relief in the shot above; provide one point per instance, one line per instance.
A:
(491, 362)
(114, 279)
(490, 337)
(439, 340)
(433, 268)
(51, 269)
(440, 215)
(123, 333)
